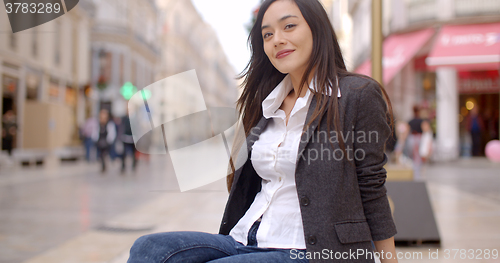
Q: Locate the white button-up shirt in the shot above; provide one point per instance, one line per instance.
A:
(274, 156)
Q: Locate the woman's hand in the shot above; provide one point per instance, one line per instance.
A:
(384, 247)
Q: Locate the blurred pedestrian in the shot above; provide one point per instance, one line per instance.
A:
(104, 136)
(114, 149)
(416, 122)
(475, 126)
(90, 127)
(283, 201)
(414, 141)
(125, 137)
(425, 149)
(9, 131)
(402, 132)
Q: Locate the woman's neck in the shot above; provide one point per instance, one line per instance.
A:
(296, 79)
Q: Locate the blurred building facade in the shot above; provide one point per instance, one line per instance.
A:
(190, 43)
(78, 63)
(126, 47)
(342, 24)
(416, 73)
(42, 74)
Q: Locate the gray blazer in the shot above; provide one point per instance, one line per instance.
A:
(343, 201)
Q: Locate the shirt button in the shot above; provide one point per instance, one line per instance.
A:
(304, 201)
(312, 240)
(280, 179)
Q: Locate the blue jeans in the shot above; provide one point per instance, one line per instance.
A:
(89, 145)
(198, 247)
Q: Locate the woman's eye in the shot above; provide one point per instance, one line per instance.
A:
(289, 26)
(266, 35)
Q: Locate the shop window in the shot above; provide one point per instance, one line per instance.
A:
(421, 10)
(476, 8)
(70, 96)
(133, 75)
(32, 86)
(476, 134)
(9, 86)
(53, 90)
(105, 64)
(122, 68)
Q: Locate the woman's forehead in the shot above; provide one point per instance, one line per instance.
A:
(280, 10)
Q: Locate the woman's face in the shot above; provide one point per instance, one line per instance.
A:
(288, 40)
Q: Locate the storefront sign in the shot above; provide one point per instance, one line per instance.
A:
(477, 82)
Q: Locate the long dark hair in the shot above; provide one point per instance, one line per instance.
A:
(261, 77)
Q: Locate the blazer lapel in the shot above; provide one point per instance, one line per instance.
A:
(250, 140)
(307, 131)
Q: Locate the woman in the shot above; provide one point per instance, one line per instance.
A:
(310, 191)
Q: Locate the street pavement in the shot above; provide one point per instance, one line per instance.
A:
(76, 214)
(42, 210)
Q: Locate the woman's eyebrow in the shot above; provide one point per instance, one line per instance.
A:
(281, 19)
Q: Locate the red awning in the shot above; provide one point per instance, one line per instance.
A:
(467, 47)
(398, 51)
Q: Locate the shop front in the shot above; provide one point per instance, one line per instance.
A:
(9, 110)
(479, 107)
(466, 60)
(398, 71)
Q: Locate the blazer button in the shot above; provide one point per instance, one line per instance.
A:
(224, 223)
(304, 201)
(312, 240)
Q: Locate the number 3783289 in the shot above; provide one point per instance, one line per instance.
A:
(33, 8)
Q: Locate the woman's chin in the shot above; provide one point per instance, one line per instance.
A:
(283, 70)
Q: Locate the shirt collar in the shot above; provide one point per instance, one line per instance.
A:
(273, 101)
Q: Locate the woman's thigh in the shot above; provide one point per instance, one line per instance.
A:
(182, 247)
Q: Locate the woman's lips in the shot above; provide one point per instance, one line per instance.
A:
(284, 53)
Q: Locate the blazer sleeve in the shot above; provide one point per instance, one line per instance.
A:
(371, 121)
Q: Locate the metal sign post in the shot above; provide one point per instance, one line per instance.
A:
(377, 39)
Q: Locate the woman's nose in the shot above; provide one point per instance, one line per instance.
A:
(279, 39)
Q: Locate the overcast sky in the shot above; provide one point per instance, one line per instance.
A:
(228, 18)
